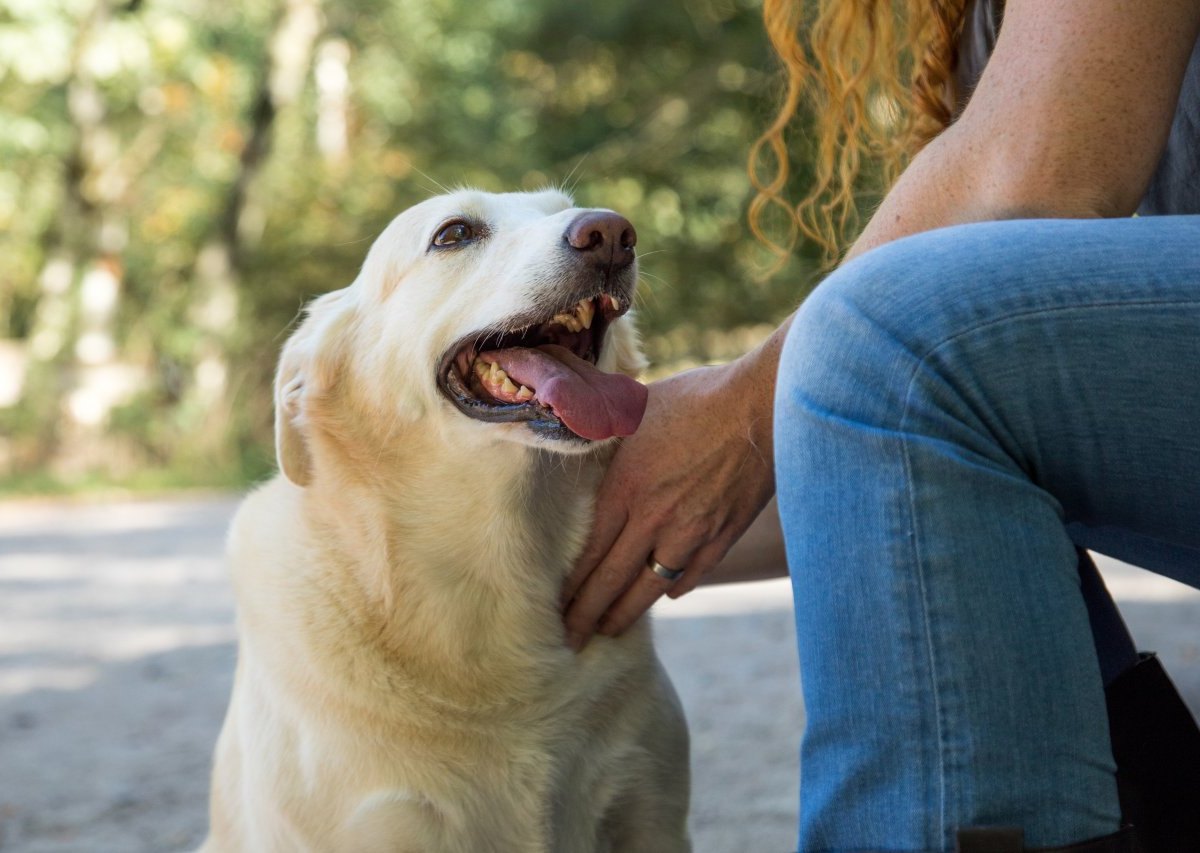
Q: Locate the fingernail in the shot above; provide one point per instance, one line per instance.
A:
(575, 641)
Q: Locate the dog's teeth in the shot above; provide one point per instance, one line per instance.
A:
(481, 367)
(584, 312)
(508, 387)
(524, 394)
(499, 378)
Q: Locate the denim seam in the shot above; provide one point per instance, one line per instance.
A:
(1037, 312)
(918, 565)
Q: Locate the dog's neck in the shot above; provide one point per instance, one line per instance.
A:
(441, 544)
(520, 503)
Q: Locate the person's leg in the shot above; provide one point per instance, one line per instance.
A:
(954, 413)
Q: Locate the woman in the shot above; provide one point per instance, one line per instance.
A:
(1002, 371)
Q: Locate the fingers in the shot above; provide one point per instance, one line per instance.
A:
(623, 587)
(703, 561)
(620, 567)
(607, 526)
(646, 588)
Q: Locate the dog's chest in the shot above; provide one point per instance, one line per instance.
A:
(536, 785)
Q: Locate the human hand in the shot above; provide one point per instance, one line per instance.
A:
(681, 490)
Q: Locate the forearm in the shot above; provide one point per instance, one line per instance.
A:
(758, 554)
(751, 384)
(959, 178)
(929, 194)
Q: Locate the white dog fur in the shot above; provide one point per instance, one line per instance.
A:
(402, 681)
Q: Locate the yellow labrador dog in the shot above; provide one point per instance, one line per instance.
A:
(403, 682)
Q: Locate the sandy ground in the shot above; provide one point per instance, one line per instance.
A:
(116, 656)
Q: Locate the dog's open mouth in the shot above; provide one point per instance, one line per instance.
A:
(543, 372)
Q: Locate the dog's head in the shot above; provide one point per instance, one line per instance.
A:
(478, 317)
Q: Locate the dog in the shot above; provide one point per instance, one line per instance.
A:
(403, 683)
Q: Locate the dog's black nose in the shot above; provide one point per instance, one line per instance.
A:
(605, 238)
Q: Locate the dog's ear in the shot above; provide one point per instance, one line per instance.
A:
(307, 366)
(626, 344)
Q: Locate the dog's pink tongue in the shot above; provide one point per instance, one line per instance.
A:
(592, 403)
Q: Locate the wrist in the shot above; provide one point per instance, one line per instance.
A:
(751, 382)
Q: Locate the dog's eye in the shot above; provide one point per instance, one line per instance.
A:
(454, 233)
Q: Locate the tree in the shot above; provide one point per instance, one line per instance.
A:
(222, 163)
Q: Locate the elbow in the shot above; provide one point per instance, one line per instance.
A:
(1023, 176)
(1020, 188)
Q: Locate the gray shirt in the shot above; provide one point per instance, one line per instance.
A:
(1175, 187)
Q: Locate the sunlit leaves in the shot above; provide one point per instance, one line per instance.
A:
(648, 108)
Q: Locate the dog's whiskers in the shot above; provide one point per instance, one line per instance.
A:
(650, 293)
(567, 186)
(355, 242)
(431, 179)
(291, 326)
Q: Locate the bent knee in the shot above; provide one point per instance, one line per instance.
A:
(857, 340)
(915, 289)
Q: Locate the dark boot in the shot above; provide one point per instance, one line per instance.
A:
(1155, 741)
(1003, 839)
(1156, 745)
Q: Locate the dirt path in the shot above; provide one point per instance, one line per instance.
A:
(116, 655)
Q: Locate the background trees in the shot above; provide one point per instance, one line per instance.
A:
(177, 177)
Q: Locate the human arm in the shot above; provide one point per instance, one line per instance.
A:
(1068, 120)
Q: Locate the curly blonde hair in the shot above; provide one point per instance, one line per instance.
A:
(875, 75)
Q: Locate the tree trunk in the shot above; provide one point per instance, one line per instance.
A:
(218, 269)
(72, 245)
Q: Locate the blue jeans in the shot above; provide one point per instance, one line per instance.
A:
(956, 413)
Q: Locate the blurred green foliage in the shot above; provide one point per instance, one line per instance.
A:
(221, 163)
